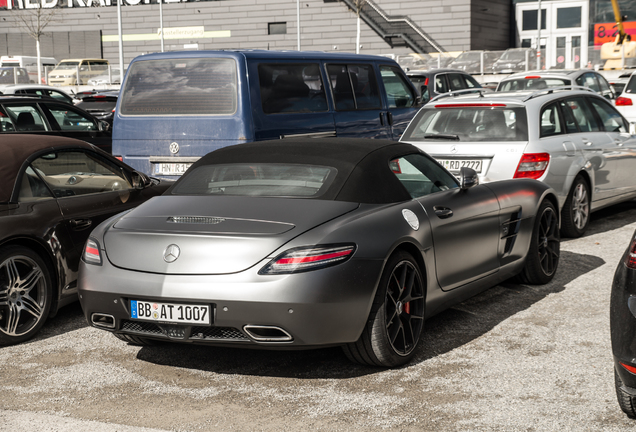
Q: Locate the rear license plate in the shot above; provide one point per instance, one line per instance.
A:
(170, 168)
(453, 165)
(170, 312)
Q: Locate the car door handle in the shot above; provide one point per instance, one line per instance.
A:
(382, 119)
(443, 212)
(389, 118)
(618, 142)
(80, 224)
(586, 141)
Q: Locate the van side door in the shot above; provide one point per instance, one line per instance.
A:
(289, 98)
(400, 97)
(358, 106)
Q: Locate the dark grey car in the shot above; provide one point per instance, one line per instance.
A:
(432, 83)
(301, 243)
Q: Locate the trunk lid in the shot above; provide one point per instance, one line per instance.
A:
(214, 235)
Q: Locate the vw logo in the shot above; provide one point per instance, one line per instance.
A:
(171, 253)
(174, 147)
(453, 149)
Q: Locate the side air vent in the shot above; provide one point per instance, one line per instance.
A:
(510, 229)
(195, 220)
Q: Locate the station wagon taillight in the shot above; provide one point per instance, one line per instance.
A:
(532, 165)
(308, 258)
(623, 101)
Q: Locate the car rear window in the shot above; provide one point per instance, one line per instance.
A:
(532, 84)
(631, 85)
(259, 179)
(468, 123)
(191, 86)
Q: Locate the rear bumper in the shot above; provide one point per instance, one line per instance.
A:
(623, 322)
(318, 308)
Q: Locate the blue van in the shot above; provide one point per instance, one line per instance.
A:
(175, 107)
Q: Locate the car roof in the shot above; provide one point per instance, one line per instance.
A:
(17, 148)
(363, 173)
(513, 97)
(263, 54)
(548, 73)
(30, 86)
(81, 59)
(434, 71)
(4, 98)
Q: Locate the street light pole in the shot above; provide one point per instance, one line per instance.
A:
(298, 22)
(121, 43)
(161, 22)
(539, 37)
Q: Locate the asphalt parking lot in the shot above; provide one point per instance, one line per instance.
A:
(515, 358)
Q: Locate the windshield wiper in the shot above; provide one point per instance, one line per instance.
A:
(442, 136)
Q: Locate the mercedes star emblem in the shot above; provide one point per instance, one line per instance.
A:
(174, 147)
(453, 149)
(171, 253)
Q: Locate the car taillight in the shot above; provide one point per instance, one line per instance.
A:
(632, 369)
(308, 258)
(532, 165)
(630, 261)
(426, 81)
(119, 158)
(623, 101)
(91, 253)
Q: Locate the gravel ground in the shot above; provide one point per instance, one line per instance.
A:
(515, 358)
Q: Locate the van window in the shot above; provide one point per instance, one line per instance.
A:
(398, 92)
(203, 86)
(291, 87)
(354, 87)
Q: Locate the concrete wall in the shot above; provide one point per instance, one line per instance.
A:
(456, 25)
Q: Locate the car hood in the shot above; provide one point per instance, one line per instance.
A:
(214, 234)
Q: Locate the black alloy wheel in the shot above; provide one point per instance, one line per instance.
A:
(397, 317)
(25, 294)
(545, 247)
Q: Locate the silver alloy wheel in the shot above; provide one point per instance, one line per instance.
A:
(580, 206)
(22, 295)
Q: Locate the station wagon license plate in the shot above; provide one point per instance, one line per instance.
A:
(453, 165)
(170, 312)
(170, 168)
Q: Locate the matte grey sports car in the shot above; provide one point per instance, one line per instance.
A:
(301, 243)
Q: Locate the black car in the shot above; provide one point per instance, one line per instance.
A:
(431, 83)
(13, 75)
(99, 104)
(623, 329)
(46, 116)
(53, 191)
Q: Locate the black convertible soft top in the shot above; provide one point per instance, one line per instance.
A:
(364, 174)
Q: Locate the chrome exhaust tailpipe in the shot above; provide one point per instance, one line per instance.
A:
(103, 320)
(267, 333)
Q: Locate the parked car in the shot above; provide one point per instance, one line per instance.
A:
(623, 329)
(618, 84)
(574, 141)
(46, 116)
(53, 191)
(432, 83)
(626, 102)
(178, 106)
(100, 104)
(13, 75)
(539, 80)
(440, 62)
(77, 71)
(474, 61)
(114, 77)
(516, 60)
(301, 243)
(38, 90)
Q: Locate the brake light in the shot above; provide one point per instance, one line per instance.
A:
(532, 165)
(426, 81)
(630, 260)
(395, 166)
(533, 77)
(623, 101)
(470, 105)
(632, 369)
(308, 258)
(91, 253)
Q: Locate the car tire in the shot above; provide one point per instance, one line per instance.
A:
(626, 401)
(26, 294)
(576, 210)
(542, 260)
(396, 320)
(134, 340)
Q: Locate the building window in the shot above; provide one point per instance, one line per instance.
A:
(277, 28)
(530, 19)
(569, 17)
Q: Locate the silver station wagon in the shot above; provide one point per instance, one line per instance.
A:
(573, 140)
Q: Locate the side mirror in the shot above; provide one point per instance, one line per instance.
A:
(468, 178)
(140, 180)
(103, 126)
(632, 128)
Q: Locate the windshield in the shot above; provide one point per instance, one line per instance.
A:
(532, 84)
(271, 180)
(180, 86)
(68, 64)
(474, 124)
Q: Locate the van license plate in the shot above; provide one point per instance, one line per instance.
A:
(170, 168)
(170, 312)
(454, 165)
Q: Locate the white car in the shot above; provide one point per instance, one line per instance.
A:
(626, 102)
(573, 140)
(37, 90)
